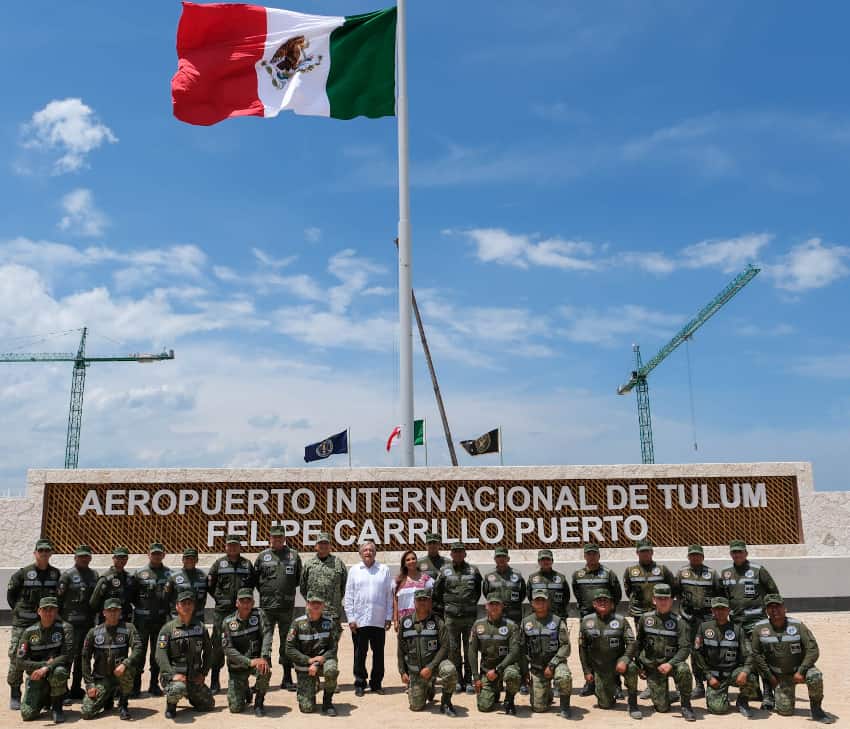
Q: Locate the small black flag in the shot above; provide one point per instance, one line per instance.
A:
(487, 443)
(328, 447)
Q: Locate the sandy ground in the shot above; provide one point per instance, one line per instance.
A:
(390, 711)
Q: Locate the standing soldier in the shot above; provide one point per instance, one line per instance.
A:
(184, 654)
(188, 578)
(547, 647)
(44, 651)
(557, 586)
(603, 642)
(661, 649)
(151, 613)
(509, 585)
(746, 585)
(498, 640)
(76, 587)
(115, 582)
(787, 649)
(586, 583)
(112, 655)
(694, 586)
(432, 564)
(24, 592)
(458, 589)
(324, 574)
(228, 574)
(311, 646)
(423, 649)
(278, 571)
(246, 637)
(719, 655)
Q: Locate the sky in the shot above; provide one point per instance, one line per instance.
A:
(585, 176)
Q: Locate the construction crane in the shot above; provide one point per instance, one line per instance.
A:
(78, 382)
(638, 381)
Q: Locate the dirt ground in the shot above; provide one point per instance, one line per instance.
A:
(390, 711)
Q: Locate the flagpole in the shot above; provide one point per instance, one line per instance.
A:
(348, 443)
(501, 456)
(425, 438)
(405, 278)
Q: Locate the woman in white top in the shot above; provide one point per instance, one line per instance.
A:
(407, 581)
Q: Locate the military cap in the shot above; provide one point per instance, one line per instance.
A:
(602, 594)
(43, 544)
(644, 544)
(423, 593)
(591, 547)
(323, 537)
(184, 595)
(431, 537)
(719, 602)
(112, 602)
(695, 549)
(500, 552)
(190, 552)
(120, 552)
(277, 531)
(773, 599)
(244, 592)
(49, 601)
(539, 593)
(233, 539)
(458, 546)
(662, 591)
(315, 597)
(82, 550)
(156, 547)
(737, 545)
(494, 597)
(544, 554)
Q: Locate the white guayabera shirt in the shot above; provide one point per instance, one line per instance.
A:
(369, 595)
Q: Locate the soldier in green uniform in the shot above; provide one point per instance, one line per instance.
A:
(433, 563)
(458, 589)
(325, 574)
(719, 653)
(746, 584)
(557, 585)
(694, 586)
(661, 650)
(184, 655)
(604, 638)
(278, 571)
(76, 586)
(423, 649)
(150, 613)
(547, 647)
(23, 593)
(498, 640)
(112, 655)
(586, 583)
(44, 651)
(228, 574)
(787, 649)
(246, 637)
(115, 582)
(311, 646)
(188, 578)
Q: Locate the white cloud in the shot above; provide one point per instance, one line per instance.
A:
(520, 250)
(730, 254)
(270, 261)
(810, 265)
(69, 127)
(608, 327)
(82, 216)
(354, 274)
(649, 261)
(828, 366)
(313, 234)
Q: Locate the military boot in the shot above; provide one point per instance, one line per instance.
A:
(215, 683)
(124, 709)
(154, 689)
(15, 699)
(769, 701)
(287, 683)
(327, 704)
(446, 706)
(634, 711)
(687, 711)
(58, 711)
(259, 701)
(510, 706)
(744, 708)
(818, 714)
(699, 690)
(564, 713)
(588, 689)
(170, 710)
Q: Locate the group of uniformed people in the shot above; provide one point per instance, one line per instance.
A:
(97, 630)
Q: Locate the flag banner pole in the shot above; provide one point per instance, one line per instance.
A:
(348, 443)
(405, 279)
(501, 454)
(425, 438)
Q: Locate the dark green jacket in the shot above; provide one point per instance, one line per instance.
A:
(105, 648)
(244, 640)
(76, 587)
(547, 641)
(694, 589)
(718, 649)
(661, 639)
(499, 644)
(307, 639)
(183, 649)
(114, 584)
(149, 598)
(782, 651)
(182, 579)
(603, 643)
(746, 587)
(26, 588)
(458, 589)
(226, 578)
(50, 647)
(510, 587)
(278, 576)
(556, 584)
(421, 644)
(586, 582)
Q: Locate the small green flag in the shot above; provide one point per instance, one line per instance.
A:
(418, 432)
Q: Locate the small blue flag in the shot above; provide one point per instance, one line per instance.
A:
(328, 447)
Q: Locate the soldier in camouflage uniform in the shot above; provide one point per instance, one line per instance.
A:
(458, 589)
(423, 649)
(718, 653)
(184, 655)
(115, 582)
(497, 638)
(787, 649)
(311, 646)
(324, 574)
(23, 593)
(547, 647)
(432, 564)
(661, 649)
(228, 574)
(188, 578)
(694, 586)
(151, 612)
(246, 637)
(604, 639)
(278, 571)
(44, 651)
(557, 585)
(76, 586)
(112, 656)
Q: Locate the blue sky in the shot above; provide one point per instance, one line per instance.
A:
(584, 177)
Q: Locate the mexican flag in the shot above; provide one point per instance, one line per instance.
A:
(418, 434)
(247, 60)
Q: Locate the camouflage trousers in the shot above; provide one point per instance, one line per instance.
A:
(39, 694)
(717, 699)
(237, 687)
(459, 629)
(107, 688)
(148, 633)
(489, 694)
(15, 675)
(419, 690)
(198, 694)
(659, 687)
(541, 687)
(308, 686)
(786, 690)
(282, 619)
(607, 683)
(747, 628)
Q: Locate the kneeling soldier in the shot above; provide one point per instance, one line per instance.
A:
(184, 654)
(44, 652)
(311, 645)
(661, 648)
(719, 655)
(497, 638)
(112, 654)
(246, 637)
(785, 649)
(547, 646)
(423, 647)
(604, 638)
